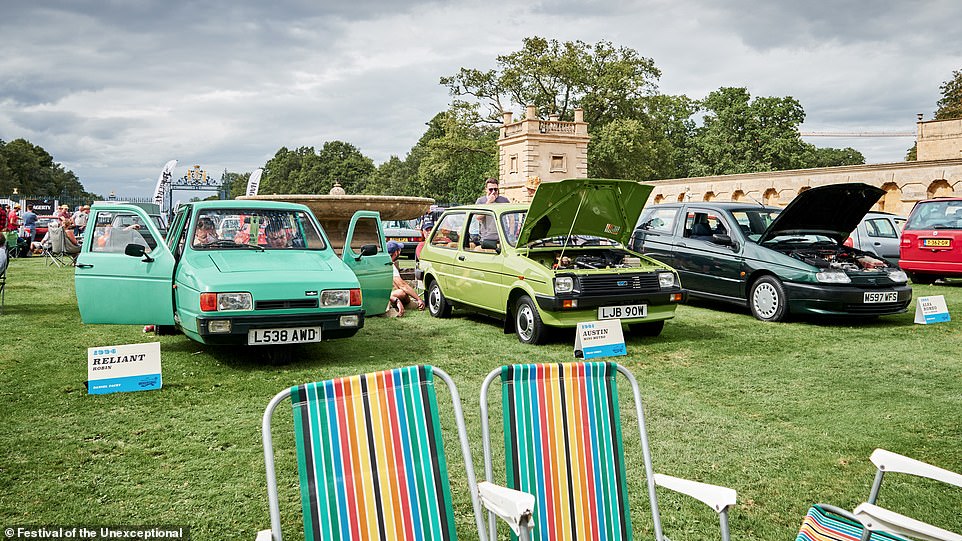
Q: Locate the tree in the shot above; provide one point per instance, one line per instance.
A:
(32, 171)
(308, 172)
(831, 157)
(950, 105)
(458, 156)
(607, 82)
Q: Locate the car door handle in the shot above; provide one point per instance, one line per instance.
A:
(84, 266)
(460, 258)
(878, 243)
(682, 245)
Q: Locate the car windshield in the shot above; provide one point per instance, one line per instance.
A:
(936, 215)
(754, 222)
(259, 229)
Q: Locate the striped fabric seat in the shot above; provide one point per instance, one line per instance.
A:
(371, 459)
(563, 441)
(821, 524)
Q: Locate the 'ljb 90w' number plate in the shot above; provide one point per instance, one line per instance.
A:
(293, 335)
(628, 311)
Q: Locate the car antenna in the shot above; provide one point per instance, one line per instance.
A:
(755, 200)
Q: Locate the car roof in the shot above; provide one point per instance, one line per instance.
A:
(723, 205)
(245, 203)
(496, 207)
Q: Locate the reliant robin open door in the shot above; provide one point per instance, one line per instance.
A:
(125, 271)
(366, 255)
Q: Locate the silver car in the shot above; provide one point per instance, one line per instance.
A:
(878, 233)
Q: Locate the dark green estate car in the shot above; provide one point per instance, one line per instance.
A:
(777, 261)
(560, 262)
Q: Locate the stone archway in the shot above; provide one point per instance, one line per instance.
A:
(939, 188)
(709, 196)
(803, 188)
(892, 200)
(771, 197)
(659, 199)
(738, 195)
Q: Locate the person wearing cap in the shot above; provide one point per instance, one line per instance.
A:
(63, 212)
(531, 185)
(403, 293)
(80, 219)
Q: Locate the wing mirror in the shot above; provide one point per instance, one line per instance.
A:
(491, 245)
(724, 240)
(137, 250)
(367, 249)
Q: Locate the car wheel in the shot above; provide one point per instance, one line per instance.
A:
(923, 279)
(527, 322)
(165, 330)
(646, 329)
(768, 300)
(438, 306)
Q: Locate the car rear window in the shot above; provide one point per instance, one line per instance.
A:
(936, 215)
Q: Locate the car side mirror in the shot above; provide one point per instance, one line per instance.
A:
(491, 245)
(367, 249)
(724, 240)
(137, 250)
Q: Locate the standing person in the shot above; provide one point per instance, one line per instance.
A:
(3, 218)
(13, 218)
(489, 229)
(427, 225)
(80, 222)
(63, 212)
(531, 186)
(29, 224)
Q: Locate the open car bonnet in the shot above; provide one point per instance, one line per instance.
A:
(833, 211)
(585, 206)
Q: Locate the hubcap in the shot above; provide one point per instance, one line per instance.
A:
(434, 300)
(765, 300)
(525, 322)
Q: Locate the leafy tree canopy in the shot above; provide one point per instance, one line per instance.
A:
(308, 172)
(950, 105)
(32, 171)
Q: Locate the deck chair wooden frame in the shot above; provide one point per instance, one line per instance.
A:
(371, 458)
(569, 414)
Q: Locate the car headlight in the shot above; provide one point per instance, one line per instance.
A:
(336, 297)
(666, 279)
(898, 276)
(216, 302)
(833, 277)
(564, 284)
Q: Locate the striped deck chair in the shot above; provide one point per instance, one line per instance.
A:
(828, 523)
(563, 443)
(370, 458)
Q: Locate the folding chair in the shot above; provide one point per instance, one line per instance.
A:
(370, 458)
(55, 250)
(563, 443)
(4, 263)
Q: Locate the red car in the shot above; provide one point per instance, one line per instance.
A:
(42, 222)
(931, 246)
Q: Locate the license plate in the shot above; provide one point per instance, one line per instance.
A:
(290, 335)
(872, 297)
(628, 311)
(942, 243)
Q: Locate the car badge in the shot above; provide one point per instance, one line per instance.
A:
(935, 233)
(310, 293)
(622, 283)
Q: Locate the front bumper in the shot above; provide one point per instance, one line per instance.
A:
(660, 306)
(240, 325)
(843, 300)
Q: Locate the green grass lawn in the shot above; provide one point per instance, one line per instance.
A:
(786, 414)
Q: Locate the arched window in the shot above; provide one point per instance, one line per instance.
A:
(892, 200)
(939, 188)
(771, 197)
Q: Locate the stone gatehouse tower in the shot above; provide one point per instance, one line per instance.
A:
(549, 149)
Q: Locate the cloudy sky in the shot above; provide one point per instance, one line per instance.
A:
(113, 89)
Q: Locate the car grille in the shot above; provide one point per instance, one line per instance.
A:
(877, 308)
(605, 284)
(285, 304)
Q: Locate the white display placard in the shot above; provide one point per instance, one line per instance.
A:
(595, 339)
(122, 369)
(931, 310)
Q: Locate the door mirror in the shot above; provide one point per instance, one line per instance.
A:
(724, 240)
(491, 245)
(137, 250)
(367, 249)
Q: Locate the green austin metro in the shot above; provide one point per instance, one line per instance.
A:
(559, 262)
(232, 272)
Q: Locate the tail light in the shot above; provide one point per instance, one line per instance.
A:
(208, 302)
(849, 242)
(355, 297)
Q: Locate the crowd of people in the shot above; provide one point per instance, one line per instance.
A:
(25, 223)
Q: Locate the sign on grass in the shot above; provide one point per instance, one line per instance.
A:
(931, 310)
(122, 369)
(599, 339)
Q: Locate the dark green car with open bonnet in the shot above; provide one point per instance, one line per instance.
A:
(559, 262)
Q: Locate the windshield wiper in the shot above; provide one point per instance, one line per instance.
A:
(227, 243)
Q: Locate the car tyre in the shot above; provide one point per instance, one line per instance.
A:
(646, 329)
(165, 330)
(438, 306)
(922, 279)
(768, 300)
(527, 322)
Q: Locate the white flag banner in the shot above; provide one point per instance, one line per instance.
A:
(254, 182)
(162, 181)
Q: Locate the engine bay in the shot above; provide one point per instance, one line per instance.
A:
(838, 257)
(572, 259)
